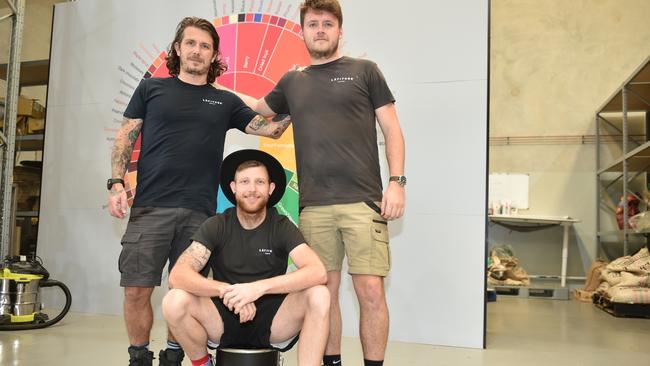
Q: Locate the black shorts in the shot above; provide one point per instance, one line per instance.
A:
(256, 333)
(153, 235)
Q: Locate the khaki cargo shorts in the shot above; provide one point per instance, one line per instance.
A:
(355, 229)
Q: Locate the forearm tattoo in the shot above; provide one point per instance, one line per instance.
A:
(281, 127)
(258, 122)
(123, 147)
(196, 255)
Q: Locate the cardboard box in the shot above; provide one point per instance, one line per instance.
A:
(28, 107)
(35, 126)
(30, 117)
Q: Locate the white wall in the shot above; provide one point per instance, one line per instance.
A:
(434, 55)
(553, 64)
(435, 290)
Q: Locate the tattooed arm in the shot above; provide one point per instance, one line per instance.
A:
(258, 105)
(186, 273)
(267, 123)
(274, 128)
(120, 158)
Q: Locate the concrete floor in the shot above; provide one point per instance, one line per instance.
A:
(520, 332)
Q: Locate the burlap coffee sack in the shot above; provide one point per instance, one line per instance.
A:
(629, 279)
(602, 288)
(638, 263)
(582, 295)
(613, 278)
(629, 295)
(593, 275)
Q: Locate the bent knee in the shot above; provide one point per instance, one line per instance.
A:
(176, 303)
(318, 298)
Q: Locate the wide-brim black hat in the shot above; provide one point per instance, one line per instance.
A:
(273, 166)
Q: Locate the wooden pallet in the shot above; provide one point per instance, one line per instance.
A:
(538, 292)
(621, 310)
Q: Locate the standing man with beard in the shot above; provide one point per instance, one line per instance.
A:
(252, 302)
(183, 122)
(334, 103)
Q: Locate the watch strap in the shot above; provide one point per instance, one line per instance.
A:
(400, 179)
(111, 181)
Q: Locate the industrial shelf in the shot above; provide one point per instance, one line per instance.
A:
(30, 142)
(618, 113)
(31, 72)
(638, 160)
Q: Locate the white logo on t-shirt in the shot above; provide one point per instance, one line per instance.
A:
(342, 79)
(211, 102)
(263, 251)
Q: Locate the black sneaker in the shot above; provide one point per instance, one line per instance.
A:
(140, 356)
(171, 357)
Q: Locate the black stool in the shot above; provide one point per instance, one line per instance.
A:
(247, 357)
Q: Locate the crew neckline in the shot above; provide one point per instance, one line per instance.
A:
(183, 83)
(266, 219)
(320, 66)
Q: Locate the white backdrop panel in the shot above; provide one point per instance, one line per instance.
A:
(435, 262)
(424, 291)
(434, 56)
(419, 41)
(445, 146)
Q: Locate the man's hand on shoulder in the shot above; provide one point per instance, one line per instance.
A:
(238, 295)
(298, 68)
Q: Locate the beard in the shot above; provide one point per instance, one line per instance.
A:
(194, 70)
(251, 208)
(320, 54)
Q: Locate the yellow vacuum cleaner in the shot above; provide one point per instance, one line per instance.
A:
(20, 300)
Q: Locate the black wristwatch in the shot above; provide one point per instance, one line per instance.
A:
(110, 182)
(400, 179)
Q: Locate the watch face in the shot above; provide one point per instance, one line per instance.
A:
(400, 179)
(110, 182)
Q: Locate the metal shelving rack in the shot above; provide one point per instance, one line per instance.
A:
(8, 134)
(634, 161)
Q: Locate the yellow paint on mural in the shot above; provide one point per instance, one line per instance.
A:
(282, 149)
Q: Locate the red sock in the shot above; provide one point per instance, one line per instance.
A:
(202, 361)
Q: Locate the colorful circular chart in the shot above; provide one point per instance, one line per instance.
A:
(258, 49)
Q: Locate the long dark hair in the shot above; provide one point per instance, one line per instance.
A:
(174, 61)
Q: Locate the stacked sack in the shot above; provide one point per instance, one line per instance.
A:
(626, 280)
(504, 268)
(586, 293)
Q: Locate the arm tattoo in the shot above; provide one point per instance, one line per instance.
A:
(133, 135)
(281, 127)
(258, 122)
(123, 147)
(196, 256)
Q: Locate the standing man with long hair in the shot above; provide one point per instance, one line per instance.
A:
(182, 121)
(334, 104)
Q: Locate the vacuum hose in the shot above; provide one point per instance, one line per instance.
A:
(45, 323)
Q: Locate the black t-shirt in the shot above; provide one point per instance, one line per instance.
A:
(183, 132)
(242, 256)
(332, 107)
